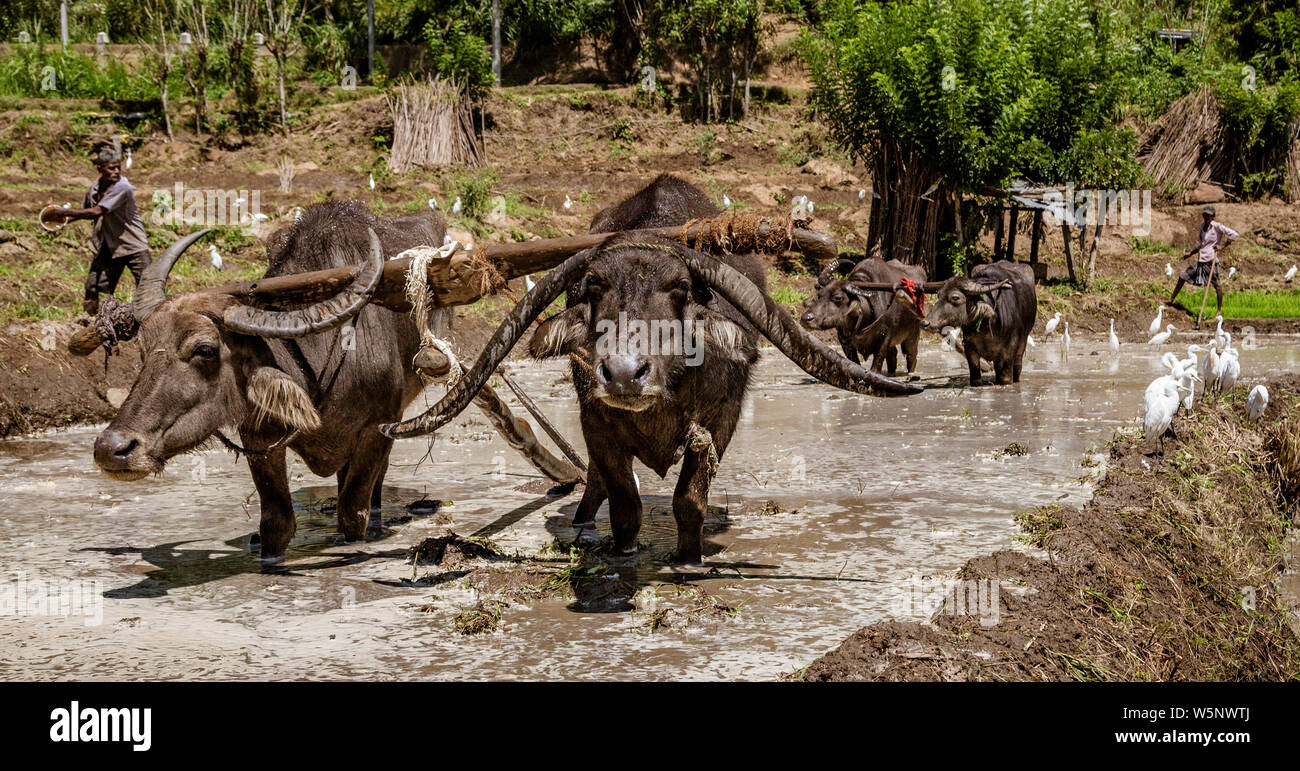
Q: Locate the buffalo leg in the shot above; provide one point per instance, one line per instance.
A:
(271, 478)
(364, 471)
(689, 502)
(624, 499)
(377, 491)
(592, 497)
(911, 346)
(891, 358)
(973, 365)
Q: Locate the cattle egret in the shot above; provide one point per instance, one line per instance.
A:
(1290, 274)
(1114, 338)
(1065, 339)
(726, 202)
(1169, 270)
(862, 195)
(126, 163)
(568, 203)
(1163, 337)
(1232, 272)
(1218, 370)
(1051, 324)
(297, 213)
(372, 181)
(1159, 320)
(528, 283)
(1159, 405)
(1208, 366)
(1189, 363)
(1257, 403)
(433, 204)
(810, 211)
(1170, 361)
(214, 256)
(446, 240)
(1187, 382)
(1231, 369)
(455, 206)
(1030, 340)
(260, 217)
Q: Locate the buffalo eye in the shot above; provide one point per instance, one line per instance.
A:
(205, 352)
(955, 297)
(680, 286)
(596, 286)
(838, 299)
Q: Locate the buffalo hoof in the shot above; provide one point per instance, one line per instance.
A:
(268, 561)
(255, 543)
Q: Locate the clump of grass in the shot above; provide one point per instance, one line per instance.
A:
(1039, 523)
(1015, 449)
(482, 617)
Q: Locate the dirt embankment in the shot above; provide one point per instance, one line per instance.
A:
(1173, 571)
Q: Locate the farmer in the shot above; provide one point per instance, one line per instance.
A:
(117, 238)
(1214, 237)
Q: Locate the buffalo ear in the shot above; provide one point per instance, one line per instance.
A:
(274, 395)
(561, 334)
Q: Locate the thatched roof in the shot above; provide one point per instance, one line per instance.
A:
(1186, 145)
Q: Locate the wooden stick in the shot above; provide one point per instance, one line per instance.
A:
(546, 425)
(1214, 264)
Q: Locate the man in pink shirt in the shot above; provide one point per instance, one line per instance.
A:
(1213, 238)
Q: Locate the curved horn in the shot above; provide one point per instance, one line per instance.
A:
(152, 290)
(841, 265)
(972, 286)
(459, 396)
(812, 355)
(322, 316)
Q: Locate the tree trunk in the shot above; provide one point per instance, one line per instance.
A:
(284, 113)
(1069, 259)
(167, 118)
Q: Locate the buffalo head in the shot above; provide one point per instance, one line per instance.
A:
(962, 302)
(206, 364)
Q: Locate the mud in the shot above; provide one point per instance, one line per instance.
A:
(1180, 568)
(828, 510)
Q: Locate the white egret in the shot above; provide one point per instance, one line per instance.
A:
(1114, 338)
(1051, 324)
(214, 256)
(1158, 321)
(1065, 340)
(433, 204)
(528, 283)
(1030, 341)
(297, 213)
(726, 202)
(1169, 270)
(1159, 405)
(862, 195)
(372, 181)
(455, 206)
(1231, 369)
(1208, 365)
(1231, 272)
(126, 163)
(1220, 337)
(1163, 337)
(1290, 274)
(568, 203)
(1257, 402)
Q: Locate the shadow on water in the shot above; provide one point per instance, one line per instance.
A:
(176, 567)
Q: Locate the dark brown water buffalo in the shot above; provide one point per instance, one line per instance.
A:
(300, 379)
(869, 324)
(662, 339)
(995, 308)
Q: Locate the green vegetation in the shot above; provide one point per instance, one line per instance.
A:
(1250, 304)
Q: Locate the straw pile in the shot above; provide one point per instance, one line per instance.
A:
(432, 126)
(1186, 145)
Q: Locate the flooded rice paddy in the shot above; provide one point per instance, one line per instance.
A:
(873, 504)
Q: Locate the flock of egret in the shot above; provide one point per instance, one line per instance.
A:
(1218, 371)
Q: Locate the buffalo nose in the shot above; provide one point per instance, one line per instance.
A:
(112, 450)
(623, 375)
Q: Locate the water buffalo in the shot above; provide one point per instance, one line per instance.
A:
(995, 308)
(677, 398)
(869, 324)
(295, 379)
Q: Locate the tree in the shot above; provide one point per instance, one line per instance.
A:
(941, 98)
(713, 37)
(241, 60)
(283, 18)
(157, 43)
(194, 19)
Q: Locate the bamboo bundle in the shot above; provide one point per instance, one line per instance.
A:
(432, 126)
(1186, 146)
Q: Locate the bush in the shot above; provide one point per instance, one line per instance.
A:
(458, 55)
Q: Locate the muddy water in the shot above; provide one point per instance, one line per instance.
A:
(877, 503)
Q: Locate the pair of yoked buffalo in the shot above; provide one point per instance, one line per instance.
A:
(284, 381)
(995, 308)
